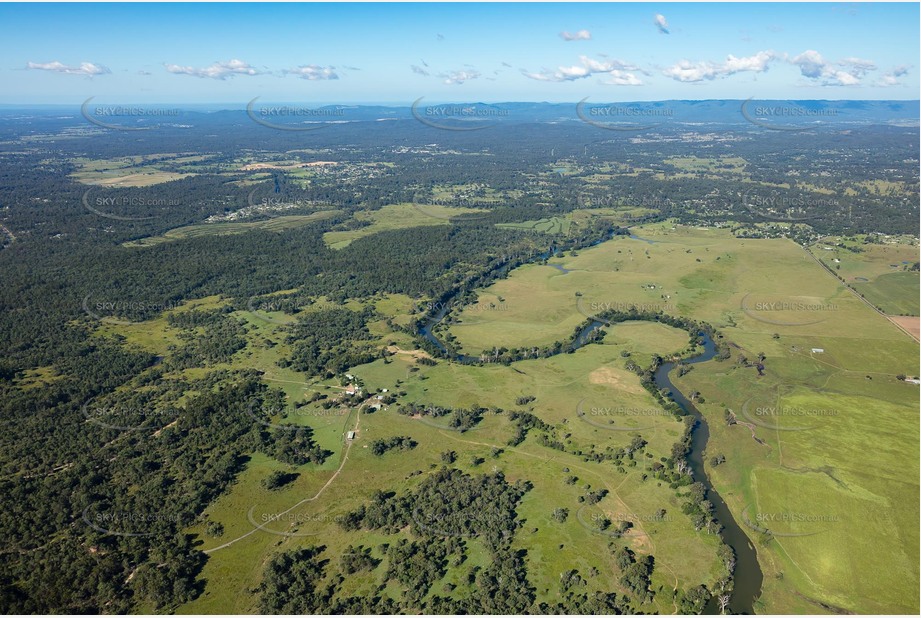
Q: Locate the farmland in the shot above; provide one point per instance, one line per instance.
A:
(553, 225)
(138, 171)
(394, 217)
(558, 387)
(846, 397)
(825, 404)
(275, 224)
(885, 273)
(588, 394)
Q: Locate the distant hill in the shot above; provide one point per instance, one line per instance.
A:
(757, 112)
(727, 111)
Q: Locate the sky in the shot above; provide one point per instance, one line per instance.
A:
(396, 53)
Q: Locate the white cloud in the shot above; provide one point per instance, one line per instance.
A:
(661, 23)
(313, 72)
(454, 77)
(622, 78)
(891, 78)
(811, 63)
(86, 68)
(218, 70)
(843, 78)
(858, 66)
(813, 66)
(757, 63)
(459, 77)
(581, 35)
(686, 71)
(586, 67)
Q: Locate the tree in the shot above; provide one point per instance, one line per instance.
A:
(278, 479)
(290, 581)
(694, 600)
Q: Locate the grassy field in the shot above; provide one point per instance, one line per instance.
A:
(550, 225)
(878, 271)
(395, 217)
(836, 477)
(884, 187)
(895, 293)
(275, 224)
(593, 374)
(144, 178)
(840, 460)
(732, 165)
(621, 213)
(134, 171)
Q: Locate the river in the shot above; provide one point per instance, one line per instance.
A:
(748, 576)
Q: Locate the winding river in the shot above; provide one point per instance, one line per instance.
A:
(747, 576)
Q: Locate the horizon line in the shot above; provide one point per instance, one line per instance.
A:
(406, 104)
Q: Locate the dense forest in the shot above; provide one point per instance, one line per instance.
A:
(123, 492)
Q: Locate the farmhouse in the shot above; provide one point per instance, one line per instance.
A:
(350, 436)
(818, 350)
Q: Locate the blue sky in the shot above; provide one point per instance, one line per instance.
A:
(394, 54)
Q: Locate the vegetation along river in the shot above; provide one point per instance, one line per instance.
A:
(747, 577)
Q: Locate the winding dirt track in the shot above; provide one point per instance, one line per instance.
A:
(345, 458)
